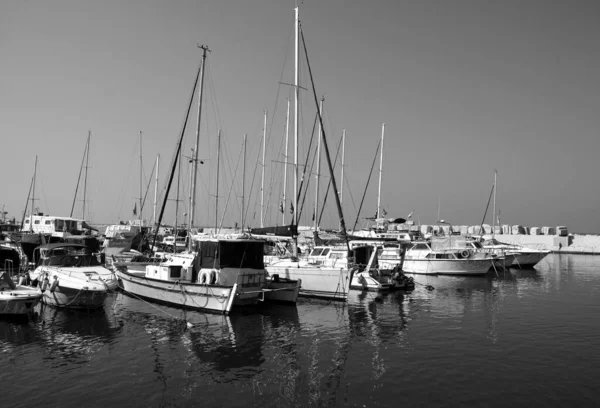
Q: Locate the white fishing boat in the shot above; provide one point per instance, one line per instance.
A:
(69, 275)
(219, 275)
(16, 299)
(421, 258)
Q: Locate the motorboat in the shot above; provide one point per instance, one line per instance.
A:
(70, 275)
(376, 278)
(524, 257)
(324, 271)
(422, 258)
(16, 299)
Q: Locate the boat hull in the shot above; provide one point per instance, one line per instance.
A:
(282, 290)
(75, 297)
(195, 296)
(19, 301)
(447, 266)
(528, 259)
(318, 282)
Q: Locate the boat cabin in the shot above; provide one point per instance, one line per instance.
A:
(54, 226)
(64, 255)
(331, 256)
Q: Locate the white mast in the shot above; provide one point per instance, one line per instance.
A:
(33, 195)
(244, 181)
(343, 157)
(316, 224)
(296, 95)
(262, 183)
(217, 195)
(380, 171)
(285, 159)
(342, 176)
(87, 162)
(155, 193)
(141, 170)
(494, 216)
(195, 160)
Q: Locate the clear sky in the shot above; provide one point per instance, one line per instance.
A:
(464, 87)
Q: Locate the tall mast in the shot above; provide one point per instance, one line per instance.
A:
(343, 157)
(177, 201)
(141, 171)
(217, 195)
(262, 183)
(296, 123)
(195, 163)
(244, 181)
(318, 167)
(380, 171)
(155, 192)
(87, 162)
(494, 216)
(342, 176)
(33, 195)
(285, 159)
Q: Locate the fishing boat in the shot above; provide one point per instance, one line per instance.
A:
(524, 257)
(70, 275)
(213, 274)
(219, 275)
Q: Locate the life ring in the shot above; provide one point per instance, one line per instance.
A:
(205, 278)
(465, 253)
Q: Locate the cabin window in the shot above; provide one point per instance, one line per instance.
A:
(477, 245)
(47, 222)
(175, 271)
(421, 246)
(316, 252)
(325, 252)
(36, 222)
(26, 221)
(337, 255)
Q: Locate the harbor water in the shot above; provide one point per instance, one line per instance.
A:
(517, 338)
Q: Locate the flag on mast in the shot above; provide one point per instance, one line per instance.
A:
(411, 213)
(135, 209)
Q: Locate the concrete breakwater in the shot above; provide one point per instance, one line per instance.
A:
(557, 239)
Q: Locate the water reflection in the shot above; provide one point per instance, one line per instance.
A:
(60, 335)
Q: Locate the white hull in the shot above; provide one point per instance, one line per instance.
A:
(447, 266)
(19, 301)
(75, 287)
(212, 298)
(528, 259)
(75, 298)
(364, 281)
(321, 282)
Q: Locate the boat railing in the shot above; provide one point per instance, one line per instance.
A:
(9, 267)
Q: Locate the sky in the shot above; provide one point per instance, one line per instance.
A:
(465, 88)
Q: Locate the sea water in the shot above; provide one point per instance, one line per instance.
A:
(517, 338)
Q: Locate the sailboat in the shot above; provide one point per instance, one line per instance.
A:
(523, 257)
(325, 272)
(214, 274)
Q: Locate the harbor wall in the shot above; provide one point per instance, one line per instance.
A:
(557, 239)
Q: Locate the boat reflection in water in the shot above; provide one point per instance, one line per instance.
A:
(59, 336)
